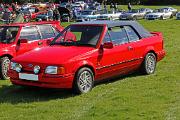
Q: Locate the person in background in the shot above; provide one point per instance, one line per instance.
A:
(56, 14)
(6, 16)
(2, 6)
(19, 18)
(129, 6)
(50, 14)
(112, 8)
(116, 7)
(105, 6)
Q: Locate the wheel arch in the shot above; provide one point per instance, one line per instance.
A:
(151, 51)
(6, 55)
(87, 66)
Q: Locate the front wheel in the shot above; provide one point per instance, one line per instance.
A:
(4, 61)
(84, 81)
(134, 18)
(162, 17)
(149, 64)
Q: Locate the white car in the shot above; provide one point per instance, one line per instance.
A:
(81, 3)
(109, 16)
(178, 16)
(87, 15)
(159, 14)
(133, 14)
(171, 9)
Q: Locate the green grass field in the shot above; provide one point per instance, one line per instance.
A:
(132, 97)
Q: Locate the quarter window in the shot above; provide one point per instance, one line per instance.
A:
(46, 31)
(131, 34)
(30, 33)
(117, 35)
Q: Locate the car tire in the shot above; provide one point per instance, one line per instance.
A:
(134, 18)
(149, 64)
(83, 81)
(4, 62)
(162, 18)
(171, 16)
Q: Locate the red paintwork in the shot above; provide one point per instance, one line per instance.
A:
(13, 49)
(104, 63)
(34, 15)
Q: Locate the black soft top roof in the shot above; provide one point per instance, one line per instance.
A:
(139, 28)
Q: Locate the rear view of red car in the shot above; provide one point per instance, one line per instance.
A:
(18, 38)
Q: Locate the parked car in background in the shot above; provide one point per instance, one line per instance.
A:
(133, 14)
(178, 16)
(87, 15)
(18, 38)
(145, 10)
(44, 17)
(98, 50)
(31, 13)
(110, 16)
(159, 14)
(81, 3)
(171, 9)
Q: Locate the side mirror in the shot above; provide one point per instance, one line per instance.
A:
(23, 40)
(48, 42)
(108, 45)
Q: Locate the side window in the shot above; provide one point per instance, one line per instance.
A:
(56, 32)
(118, 35)
(46, 31)
(30, 33)
(131, 34)
(107, 38)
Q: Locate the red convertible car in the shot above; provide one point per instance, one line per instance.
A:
(98, 50)
(18, 38)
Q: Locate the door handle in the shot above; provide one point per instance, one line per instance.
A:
(130, 48)
(40, 43)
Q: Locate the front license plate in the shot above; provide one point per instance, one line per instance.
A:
(30, 77)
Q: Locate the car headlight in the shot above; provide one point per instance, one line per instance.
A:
(36, 69)
(15, 66)
(54, 70)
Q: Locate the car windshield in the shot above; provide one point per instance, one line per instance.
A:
(86, 13)
(158, 10)
(133, 11)
(8, 34)
(79, 35)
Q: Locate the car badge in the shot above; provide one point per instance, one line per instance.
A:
(30, 65)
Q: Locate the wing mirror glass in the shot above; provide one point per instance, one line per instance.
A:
(108, 45)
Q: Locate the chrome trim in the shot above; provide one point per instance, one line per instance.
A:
(119, 63)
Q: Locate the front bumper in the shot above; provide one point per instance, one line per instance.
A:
(44, 80)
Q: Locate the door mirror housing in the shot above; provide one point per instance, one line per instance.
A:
(48, 42)
(108, 45)
(23, 40)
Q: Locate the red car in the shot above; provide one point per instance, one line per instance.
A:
(99, 50)
(18, 38)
